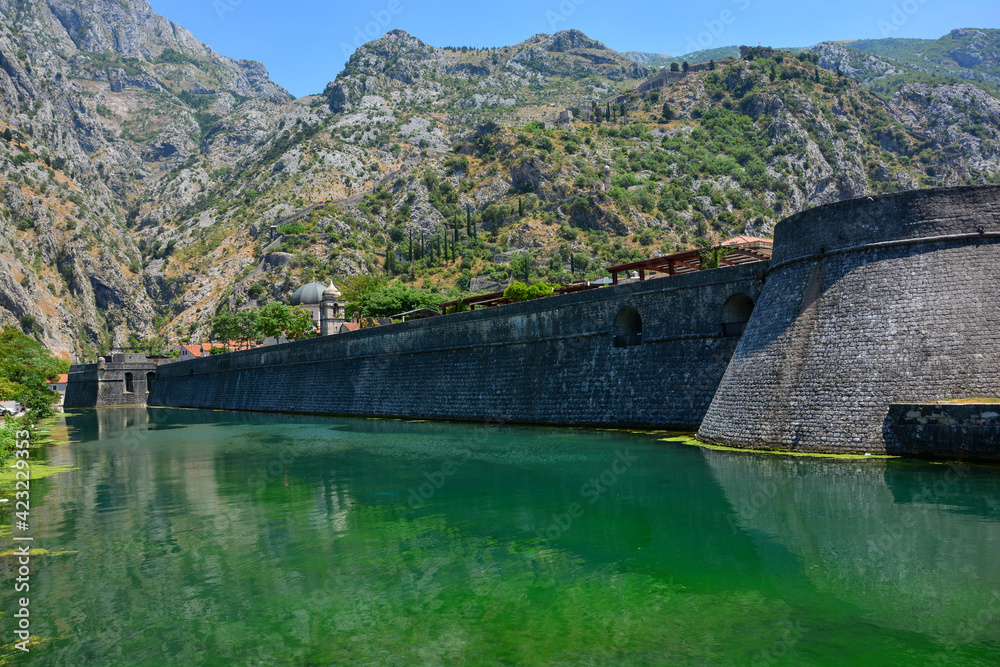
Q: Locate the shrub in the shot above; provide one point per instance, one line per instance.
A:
(457, 163)
(516, 291)
(292, 228)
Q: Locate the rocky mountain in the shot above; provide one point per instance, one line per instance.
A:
(546, 69)
(146, 182)
(972, 54)
(644, 58)
(885, 66)
(96, 100)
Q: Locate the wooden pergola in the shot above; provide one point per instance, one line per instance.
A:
(743, 250)
(497, 298)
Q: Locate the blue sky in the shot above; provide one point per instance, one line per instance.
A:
(303, 43)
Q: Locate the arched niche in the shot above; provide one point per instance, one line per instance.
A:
(628, 327)
(736, 313)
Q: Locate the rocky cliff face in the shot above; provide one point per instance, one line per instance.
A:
(403, 68)
(141, 172)
(97, 100)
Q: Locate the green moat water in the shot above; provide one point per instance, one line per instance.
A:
(211, 538)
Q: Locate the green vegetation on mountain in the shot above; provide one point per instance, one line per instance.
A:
(969, 54)
(148, 184)
(885, 66)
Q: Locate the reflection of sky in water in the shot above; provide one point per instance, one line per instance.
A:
(231, 538)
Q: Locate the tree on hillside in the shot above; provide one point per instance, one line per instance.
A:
(353, 287)
(674, 67)
(521, 265)
(390, 259)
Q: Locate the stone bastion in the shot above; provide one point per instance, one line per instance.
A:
(868, 302)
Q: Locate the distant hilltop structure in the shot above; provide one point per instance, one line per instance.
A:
(605, 185)
(832, 340)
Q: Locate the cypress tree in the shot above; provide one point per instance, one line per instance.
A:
(411, 245)
(520, 208)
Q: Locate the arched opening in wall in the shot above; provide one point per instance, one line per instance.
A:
(628, 327)
(736, 313)
(150, 378)
(129, 384)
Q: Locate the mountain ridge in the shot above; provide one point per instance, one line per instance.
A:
(139, 185)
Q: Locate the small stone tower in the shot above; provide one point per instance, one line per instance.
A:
(331, 311)
(605, 185)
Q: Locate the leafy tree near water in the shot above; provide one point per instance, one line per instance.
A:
(276, 318)
(26, 368)
(273, 320)
(239, 327)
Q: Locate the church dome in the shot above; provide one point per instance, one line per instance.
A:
(308, 295)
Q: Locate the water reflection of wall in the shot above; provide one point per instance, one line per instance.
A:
(885, 536)
(104, 423)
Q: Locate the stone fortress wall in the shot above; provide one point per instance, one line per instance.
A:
(867, 303)
(647, 353)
